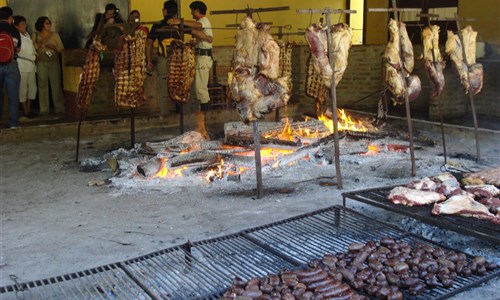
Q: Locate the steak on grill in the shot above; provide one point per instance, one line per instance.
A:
(464, 205)
(411, 197)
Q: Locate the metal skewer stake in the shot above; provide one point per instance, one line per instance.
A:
(471, 97)
(132, 128)
(395, 10)
(440, 104)
(328, 11)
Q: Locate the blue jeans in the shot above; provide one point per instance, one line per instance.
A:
(9, 74)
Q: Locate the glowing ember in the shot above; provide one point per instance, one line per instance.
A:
(372, 150)
(218, 173)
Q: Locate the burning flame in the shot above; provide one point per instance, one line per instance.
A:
(165, 173)
(218, 173)
(345, 122)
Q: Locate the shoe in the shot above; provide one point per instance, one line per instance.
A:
(24, 119)
(13, 127)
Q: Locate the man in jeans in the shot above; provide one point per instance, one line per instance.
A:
(9, 72)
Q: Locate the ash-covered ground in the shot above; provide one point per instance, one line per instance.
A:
(54, 222)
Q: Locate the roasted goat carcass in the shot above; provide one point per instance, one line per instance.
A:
(411, 197)
(465, 205)
(469, 72)
(255, 85)
(130, 70)
(285, 64)
(89, 76)
(182, 71)
(398, 57)
(433, 61)
(319, 71)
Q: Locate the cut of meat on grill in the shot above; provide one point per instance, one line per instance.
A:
(269, 53)
(341, 43)
(468, 71)
(317, 40)
(465, 205)
(182, 71)
(493, 204)
(448, 185)
(89, 76)
(130, 70)
(253, 87)
(483, 191)
(410, 197)
(424, 184)
(433, 60)
(399, 42)
(488, 176)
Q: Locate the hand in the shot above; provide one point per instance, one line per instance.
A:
(173, 21)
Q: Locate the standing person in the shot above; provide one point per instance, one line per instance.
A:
(164, 38)
(48, 45)
(202, 32)
(27, 67)
(9, 71)
(109, 26)
(134, 22)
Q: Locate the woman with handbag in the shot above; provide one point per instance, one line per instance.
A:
(48, 45)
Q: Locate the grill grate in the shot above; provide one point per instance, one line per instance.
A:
(205, 269)
(470, 226)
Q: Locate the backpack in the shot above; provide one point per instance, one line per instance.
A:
(6, 48)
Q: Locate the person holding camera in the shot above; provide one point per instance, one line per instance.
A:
(48, 45)
(108, 26)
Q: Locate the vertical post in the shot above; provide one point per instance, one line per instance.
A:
(471, 97)
(78, 136)
(334, 103)
(407, 100)
(258, 162)
(181, 117)
(132, 128)
(440, 107)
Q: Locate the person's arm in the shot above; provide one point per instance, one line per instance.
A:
(188, 23)
(198, 34)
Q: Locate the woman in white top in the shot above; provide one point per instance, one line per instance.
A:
(27, 67)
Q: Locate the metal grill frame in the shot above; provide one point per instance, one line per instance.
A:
(205, 269)
(469, 226)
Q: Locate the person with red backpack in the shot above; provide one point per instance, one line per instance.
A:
(10, 44)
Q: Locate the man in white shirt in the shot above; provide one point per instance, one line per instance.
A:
(202, 32)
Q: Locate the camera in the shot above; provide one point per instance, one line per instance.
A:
(48, 53)
(136, 20)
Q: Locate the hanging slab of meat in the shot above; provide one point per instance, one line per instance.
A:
(269, 53)
(89, 76)
(411, 197)
(285, 64)
(393, 65)
(130, 70)
(317, 40)
(182, 71)
(464, 205)
(341, 43)
(246, 51)
(468, 71)
(255, 93)
(433, 60)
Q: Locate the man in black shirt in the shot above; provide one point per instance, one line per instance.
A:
(9, 71)
(162, 33)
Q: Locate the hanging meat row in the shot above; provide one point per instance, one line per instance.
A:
(130, 70)
(182, 71)
(89, 76)
(255, 81)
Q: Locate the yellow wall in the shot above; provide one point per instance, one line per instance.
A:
(151, 10)
(3, 3)
(487, 22)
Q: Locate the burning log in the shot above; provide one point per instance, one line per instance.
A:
(203, 157)
(188, 141)
(151, 167)
(271, 131)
